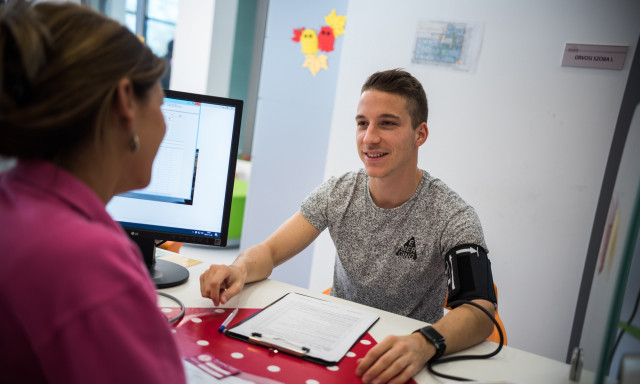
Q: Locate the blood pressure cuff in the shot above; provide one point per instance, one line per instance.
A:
(469, 275)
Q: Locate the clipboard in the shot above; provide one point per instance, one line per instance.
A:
(313, 329)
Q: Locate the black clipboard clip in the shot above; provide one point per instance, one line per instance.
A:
(260, 339)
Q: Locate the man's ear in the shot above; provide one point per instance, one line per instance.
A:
(124, 102)
(422, 132)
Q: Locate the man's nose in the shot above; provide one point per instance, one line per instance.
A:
(371, 135)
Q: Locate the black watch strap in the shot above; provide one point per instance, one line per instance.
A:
(434, 337)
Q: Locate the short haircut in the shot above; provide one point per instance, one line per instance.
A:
(400, 82)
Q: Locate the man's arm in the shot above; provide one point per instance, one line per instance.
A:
(398, 358)
(221, 282)
(469, 278)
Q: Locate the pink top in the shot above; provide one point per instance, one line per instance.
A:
(77, 304)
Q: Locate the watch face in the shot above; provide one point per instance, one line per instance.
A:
(433, 335)
(436, 339)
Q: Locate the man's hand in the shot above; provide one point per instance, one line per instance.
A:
(221, 282)
(395, 360)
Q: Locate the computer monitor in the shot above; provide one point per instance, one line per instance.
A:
(189, 196)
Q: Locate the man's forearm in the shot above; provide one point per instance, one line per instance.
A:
(465, 326)
(255, 263)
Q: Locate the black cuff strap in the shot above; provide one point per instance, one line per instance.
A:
(434, 337)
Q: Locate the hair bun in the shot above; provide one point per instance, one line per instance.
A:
(24, 41)
(60, 65)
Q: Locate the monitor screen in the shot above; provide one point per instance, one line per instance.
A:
(189, 196)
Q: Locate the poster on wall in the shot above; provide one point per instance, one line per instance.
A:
(448, 44)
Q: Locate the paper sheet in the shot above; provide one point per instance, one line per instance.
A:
(326, 329)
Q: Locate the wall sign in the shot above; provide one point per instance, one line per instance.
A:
(594, 56)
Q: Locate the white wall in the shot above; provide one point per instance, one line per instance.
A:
(523, 139)
(6, 163)
(203, 47)
(291, 133)
(224, 30)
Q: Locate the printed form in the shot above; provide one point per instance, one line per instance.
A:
(316, 328)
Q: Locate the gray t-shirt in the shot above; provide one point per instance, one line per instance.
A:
(392, 259)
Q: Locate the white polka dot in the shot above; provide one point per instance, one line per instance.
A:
(333, 368)
(203, 343)
(220, 310)
(273, 368)
(204, 358)
(365, 342)
(167, 310)
(311, 381)
(237, 355)
(351, 354)
(196, 320)
(174, 331)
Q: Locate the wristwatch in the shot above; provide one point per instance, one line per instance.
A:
(435, 338)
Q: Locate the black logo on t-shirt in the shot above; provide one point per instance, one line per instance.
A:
(408, 250)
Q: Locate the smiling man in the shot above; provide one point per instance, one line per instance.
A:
(403, 238)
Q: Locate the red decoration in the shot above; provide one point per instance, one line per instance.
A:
(296, 34)
(326, 39)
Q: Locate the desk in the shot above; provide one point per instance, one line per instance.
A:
(510, 365)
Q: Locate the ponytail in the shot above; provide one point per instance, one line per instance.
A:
(60, 64)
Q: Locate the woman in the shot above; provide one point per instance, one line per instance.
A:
(80, 110)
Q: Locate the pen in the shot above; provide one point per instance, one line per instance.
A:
(227, 321)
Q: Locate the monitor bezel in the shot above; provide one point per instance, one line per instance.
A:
(155, 234)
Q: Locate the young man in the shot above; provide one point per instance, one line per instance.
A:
(393, 226)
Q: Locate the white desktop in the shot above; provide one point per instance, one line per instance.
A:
(511, 365)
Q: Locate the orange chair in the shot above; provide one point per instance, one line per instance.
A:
(173, 246)
(495, 337)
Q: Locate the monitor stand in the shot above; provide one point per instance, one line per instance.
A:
(164, 274)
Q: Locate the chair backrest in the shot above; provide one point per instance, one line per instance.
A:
(495, 336)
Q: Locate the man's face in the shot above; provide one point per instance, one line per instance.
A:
(387, 143)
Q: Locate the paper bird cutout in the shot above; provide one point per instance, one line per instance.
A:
(309, 42)
(326, 39)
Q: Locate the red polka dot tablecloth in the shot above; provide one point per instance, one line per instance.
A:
(199, 340)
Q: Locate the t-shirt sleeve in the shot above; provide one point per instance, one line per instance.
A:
(463, 227)
(315, 207)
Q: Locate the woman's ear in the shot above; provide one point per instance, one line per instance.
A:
(124, 102)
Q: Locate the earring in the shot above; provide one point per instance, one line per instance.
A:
(134, 143)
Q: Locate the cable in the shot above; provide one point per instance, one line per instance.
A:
(430, 364)
(168, 296)
(622, 331)
(182, 307)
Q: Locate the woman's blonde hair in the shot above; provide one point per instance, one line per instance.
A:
(60, 64)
